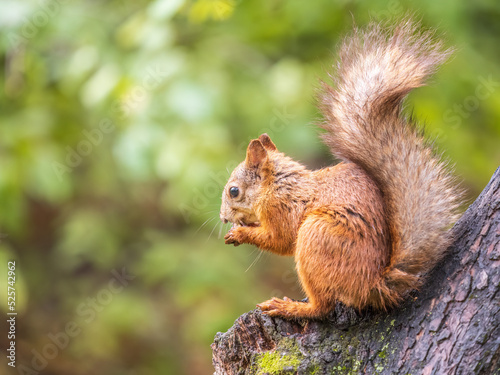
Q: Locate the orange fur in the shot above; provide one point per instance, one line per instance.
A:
(365, 231)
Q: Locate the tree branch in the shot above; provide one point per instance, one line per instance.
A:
(451, 326)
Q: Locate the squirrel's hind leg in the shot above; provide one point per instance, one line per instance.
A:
(290, 309)
(339, 257)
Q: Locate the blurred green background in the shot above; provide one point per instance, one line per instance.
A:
(119, 124)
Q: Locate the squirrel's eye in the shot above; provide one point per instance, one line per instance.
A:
(234, 191)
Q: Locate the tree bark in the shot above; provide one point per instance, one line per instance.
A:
(451, 326)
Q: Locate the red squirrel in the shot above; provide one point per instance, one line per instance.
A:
(366, 231)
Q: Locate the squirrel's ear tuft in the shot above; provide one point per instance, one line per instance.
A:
(256, 154)
(267, 143)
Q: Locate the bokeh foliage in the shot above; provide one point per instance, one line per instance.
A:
(119, 123)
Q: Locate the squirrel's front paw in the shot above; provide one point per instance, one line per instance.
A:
(234, 236)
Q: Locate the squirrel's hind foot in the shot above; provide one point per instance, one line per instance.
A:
(290, 309)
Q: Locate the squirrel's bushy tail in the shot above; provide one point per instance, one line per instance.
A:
(377, 68)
